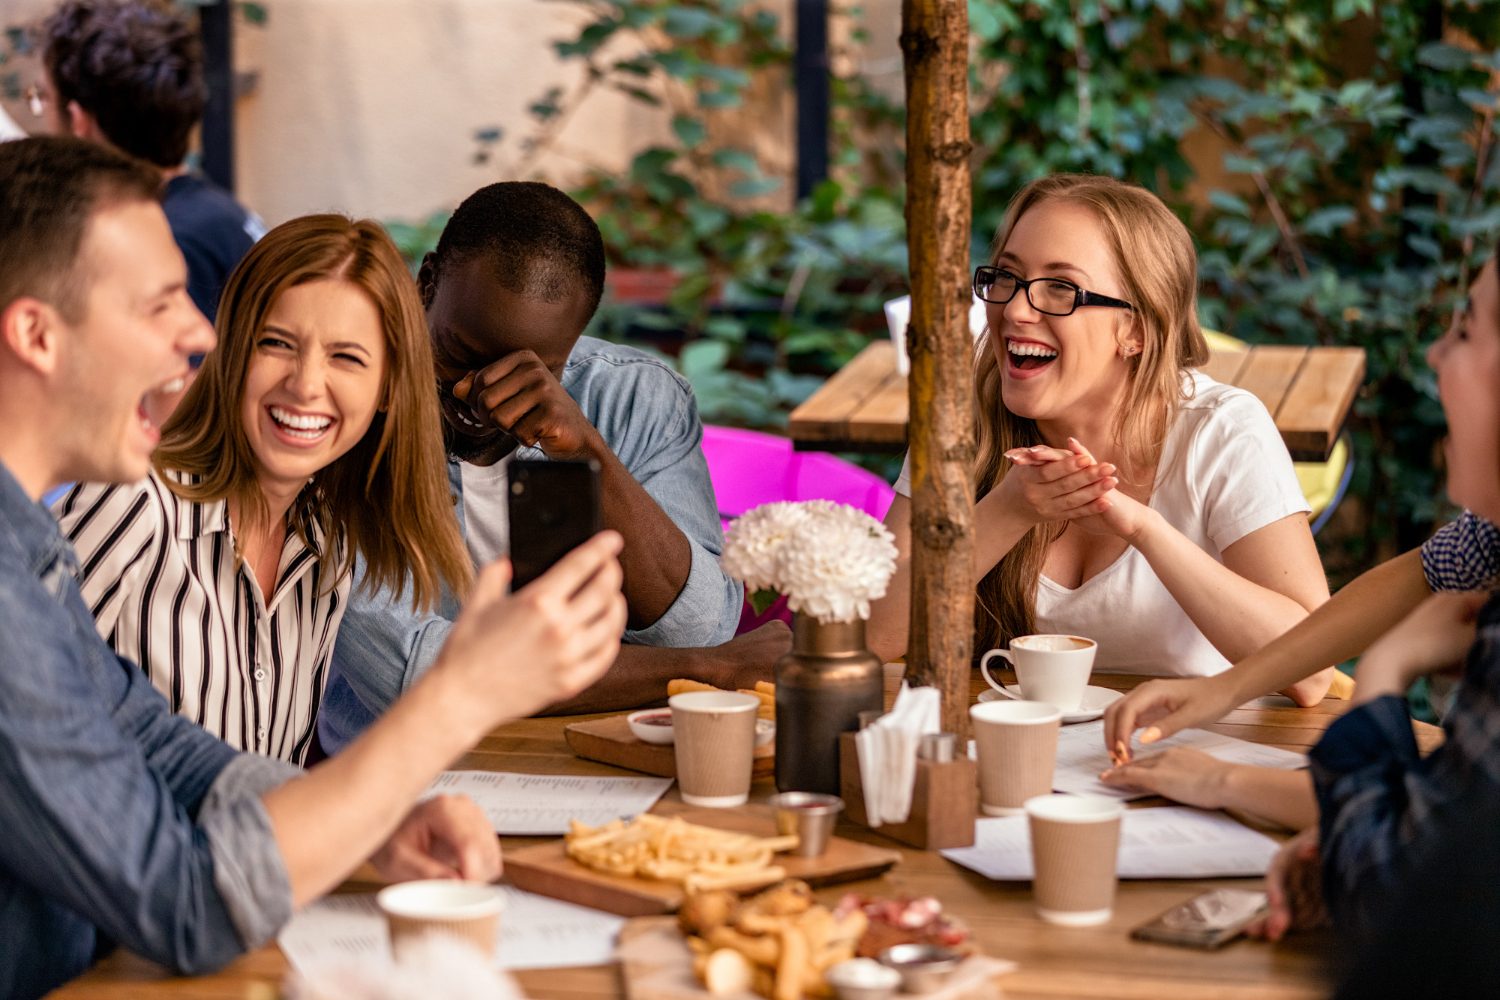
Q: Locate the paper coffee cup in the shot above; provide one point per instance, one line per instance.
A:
(466, 911)
(1017, 746)
(714, 743)
(1075, 844)
(1050, 668)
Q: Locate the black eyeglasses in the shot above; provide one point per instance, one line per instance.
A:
(1053, 296)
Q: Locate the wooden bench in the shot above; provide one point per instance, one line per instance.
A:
(1308, 390)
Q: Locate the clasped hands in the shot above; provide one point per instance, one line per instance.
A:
(1049, 484)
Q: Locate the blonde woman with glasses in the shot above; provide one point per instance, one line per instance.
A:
(1121, 494)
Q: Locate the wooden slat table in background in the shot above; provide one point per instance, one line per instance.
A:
(1308, 390)
(1095, 962)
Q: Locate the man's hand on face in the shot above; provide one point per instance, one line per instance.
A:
(522, 396)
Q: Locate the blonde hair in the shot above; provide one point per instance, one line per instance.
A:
(1158, 267)
(387, 499)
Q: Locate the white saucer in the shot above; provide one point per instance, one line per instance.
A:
(1095, 701)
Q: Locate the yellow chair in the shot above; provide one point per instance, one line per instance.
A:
(1323, 483)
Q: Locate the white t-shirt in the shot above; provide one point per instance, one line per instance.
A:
(1224, 473)
(486, 510)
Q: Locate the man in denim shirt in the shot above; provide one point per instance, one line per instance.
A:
(123, 823)
(515, 278)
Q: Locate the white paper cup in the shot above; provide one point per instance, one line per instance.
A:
(714, 744)
(467, 911)
(1050, 668)
(1075, 845)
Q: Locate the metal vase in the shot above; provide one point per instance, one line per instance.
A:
(822, 685)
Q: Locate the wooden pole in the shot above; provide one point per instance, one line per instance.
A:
(935, 50)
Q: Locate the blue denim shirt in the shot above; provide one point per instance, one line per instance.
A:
(120, 823)
(646, 414)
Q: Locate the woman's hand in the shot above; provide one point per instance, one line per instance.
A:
(1433, 637)
(1119, 513)
(1182, 775)
(1049, 484)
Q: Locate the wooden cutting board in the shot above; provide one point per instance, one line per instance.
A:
(610, 741)
(547, 870)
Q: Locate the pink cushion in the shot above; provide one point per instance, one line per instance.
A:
(749, 468)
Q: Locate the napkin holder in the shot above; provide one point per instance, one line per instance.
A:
(944, 800)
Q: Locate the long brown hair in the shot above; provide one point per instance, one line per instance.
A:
(1153, 253)
(387, 498)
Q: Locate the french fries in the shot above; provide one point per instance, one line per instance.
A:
(672, 850)
(784, 940)
(764, 690)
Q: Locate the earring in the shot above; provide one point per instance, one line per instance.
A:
(1128, 351)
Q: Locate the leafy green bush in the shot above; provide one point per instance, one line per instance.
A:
(1347, 176)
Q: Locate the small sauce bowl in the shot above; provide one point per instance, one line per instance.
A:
(923, 967)
(862, 979)
(653, 725)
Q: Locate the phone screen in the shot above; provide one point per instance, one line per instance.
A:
(1207, 920)
(554, 508)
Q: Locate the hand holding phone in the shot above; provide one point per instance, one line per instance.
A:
(1208, 920)
(554, 508)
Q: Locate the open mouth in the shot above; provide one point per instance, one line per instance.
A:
(1028, 355)
(154, 403)
(300, 427)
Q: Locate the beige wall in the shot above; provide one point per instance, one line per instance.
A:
(370, 106)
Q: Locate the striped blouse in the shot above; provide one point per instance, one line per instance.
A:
(160, 575)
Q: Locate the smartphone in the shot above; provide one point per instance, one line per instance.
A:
(554, 508)
(1207, 920)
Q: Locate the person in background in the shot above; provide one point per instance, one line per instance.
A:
(516, 276)
(124, 823)
(310, 439)
(1122, 495)
(130, 73)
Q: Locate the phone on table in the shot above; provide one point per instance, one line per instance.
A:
(1208, 920)
(554, 508)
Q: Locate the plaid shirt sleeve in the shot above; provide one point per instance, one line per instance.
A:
(1379, 801)
(1463, 555)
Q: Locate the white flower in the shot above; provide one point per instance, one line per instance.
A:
(830, 560)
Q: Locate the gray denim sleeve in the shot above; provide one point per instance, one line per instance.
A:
(248, 869)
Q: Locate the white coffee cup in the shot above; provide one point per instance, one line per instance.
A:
(466, 911)
(1050, 668)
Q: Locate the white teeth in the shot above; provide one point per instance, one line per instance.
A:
(1031, 350)
(309, 427)
(175, 385)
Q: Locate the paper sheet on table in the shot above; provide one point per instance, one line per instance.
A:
(535, 933)
(1170, 842)
(542, 804)
(1081, 756)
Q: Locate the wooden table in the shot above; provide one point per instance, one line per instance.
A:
(1308, 390)
(1054, 962)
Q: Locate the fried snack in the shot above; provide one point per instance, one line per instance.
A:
(788, 940)
(764, 690)
(672, 850)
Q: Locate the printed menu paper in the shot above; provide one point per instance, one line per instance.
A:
(542, 804)
(1081, 756)
(1170, 842)
(535, 933)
